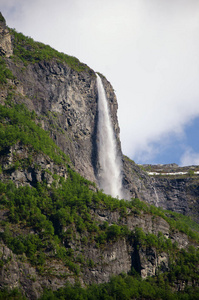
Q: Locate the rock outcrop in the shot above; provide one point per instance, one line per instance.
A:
(31, 171)
(179, 193)
(117, 256)
(6, 47)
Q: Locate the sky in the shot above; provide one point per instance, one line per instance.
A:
(147, 49)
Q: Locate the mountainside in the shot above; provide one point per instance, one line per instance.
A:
(168, 186)
(58, 230)
(63, 93)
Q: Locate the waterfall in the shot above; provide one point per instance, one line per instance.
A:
(157, 198)
(110, 179)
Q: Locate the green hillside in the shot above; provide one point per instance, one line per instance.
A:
(61, 212)
(61, 236)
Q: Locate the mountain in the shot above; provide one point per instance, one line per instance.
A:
(168, 186)
(58, 230)
(62, 91)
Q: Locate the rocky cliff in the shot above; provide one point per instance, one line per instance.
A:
(167, 186)
(97, 263)
(55, 225)
(65, 101)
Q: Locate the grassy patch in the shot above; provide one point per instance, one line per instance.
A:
(5, 73)
(17, 125)
(29, 51)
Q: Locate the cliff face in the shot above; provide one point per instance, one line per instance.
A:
(98, 263)
(176, 192)
(5, 39)
(54, 231)
(65, 101)
(67, 104)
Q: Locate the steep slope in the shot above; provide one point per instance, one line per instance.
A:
(177, 192)
(62, 231)
(56, 226)
(63, 93)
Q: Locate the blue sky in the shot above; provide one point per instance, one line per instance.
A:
(148, 50)
(182, 149)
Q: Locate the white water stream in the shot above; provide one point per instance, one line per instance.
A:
(110, 179)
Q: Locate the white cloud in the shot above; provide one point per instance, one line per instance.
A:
(190, 158)
(148, 50)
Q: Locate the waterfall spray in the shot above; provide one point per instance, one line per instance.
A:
(110, 179)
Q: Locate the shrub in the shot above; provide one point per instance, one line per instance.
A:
(5, 73)
(29, 51)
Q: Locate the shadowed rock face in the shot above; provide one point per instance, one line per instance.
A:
(115, 257)
(39, 169)
(179, 193)
(5, 39)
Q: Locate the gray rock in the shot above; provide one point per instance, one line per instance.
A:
(5, 39)
(41, 168)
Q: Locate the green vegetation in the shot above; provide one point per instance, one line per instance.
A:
(29, 51)
(39, 224)
(178, 221)
(41, 221)
(5, 73)
(160, 242)
(128, 159)
(14, 294)
(57, 215)
(1, 18)
(17, 125)
(54, 212)
(47, 211)
(191, 172)
(124, 287)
